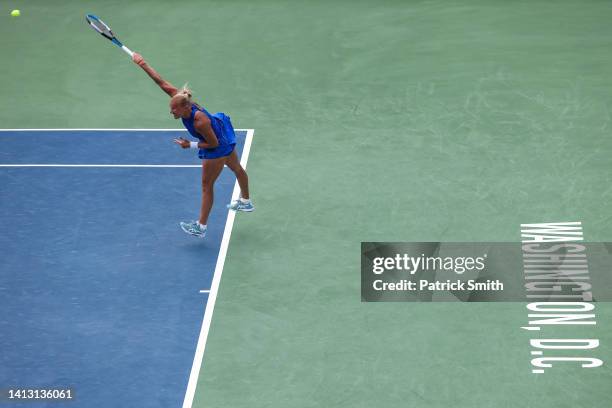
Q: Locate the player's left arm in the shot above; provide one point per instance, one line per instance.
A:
(202, 125)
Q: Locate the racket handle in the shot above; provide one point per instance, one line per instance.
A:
(127, 50)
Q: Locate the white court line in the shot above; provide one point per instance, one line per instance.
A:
(107, 129)
(205, 291)
(94, 130)
(210, 306)
(108, 165)
(103, 165)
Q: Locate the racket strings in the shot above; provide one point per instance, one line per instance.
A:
(100, 27)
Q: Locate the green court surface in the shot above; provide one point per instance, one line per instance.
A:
(375, 121)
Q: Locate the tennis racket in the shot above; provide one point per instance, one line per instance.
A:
(106, 32)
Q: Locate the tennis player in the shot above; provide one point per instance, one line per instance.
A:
(216, 143)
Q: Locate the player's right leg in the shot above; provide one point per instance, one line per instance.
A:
(211, 168)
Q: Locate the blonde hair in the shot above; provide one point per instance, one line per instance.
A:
(183, 95)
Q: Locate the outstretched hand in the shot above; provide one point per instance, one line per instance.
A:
(137, 58)
(184, 143)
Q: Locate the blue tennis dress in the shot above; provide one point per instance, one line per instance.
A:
(221, 125)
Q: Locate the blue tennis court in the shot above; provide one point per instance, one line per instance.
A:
(102, 291)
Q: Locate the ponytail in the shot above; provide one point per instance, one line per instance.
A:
(186, 91)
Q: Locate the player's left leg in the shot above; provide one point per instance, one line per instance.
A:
(211, 168)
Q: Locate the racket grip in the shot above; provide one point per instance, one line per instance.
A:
(127, 50)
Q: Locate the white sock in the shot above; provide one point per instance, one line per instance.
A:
(244, 200)
(202, 225)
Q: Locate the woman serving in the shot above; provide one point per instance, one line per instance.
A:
(216, 143)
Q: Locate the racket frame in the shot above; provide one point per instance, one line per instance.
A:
(90, 18)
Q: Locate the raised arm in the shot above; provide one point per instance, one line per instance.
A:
(166, 86)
